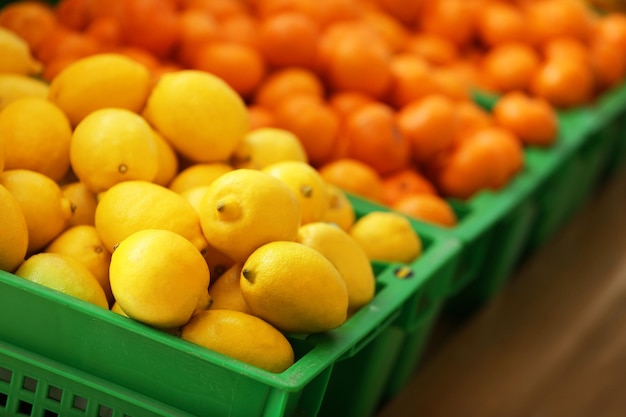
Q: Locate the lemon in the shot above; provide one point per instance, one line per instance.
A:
(37, 136)
(15, 56)
(264, 146)
(294, 287)
(244, 209)
(84, 202)
(14, 236)
(217, 261)
(198, 113)
(387, 237)
(46, 210)
(113, 145)
(340, 210)
(83, 244)
(306, 183)
(194, 196)
(131, 206)
(64, 274)
(226, 291)
(16, 86)
(198, 174)
(240, 336)
(100, 81)
(158, 278)
(167, 160)
(347, 256)
(117, 309)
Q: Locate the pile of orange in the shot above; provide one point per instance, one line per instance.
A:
(377, 91)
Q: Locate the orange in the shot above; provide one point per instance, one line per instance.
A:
(65, 43)
(406, 12)
(373, 137)
(33, 21)
(563, 82)
(313, 122)
(533, 120)
(429, 124)
(288, 39)
(344, 102)
(389, 28)
(566, 48)
(355, 57)
(405, 182)
(429, 208)
(105, 30)
(260, 116)
(435, 49)
(241, 66)
(239, 28)
(611, 28)
(412, 78)
(549, 19)
(195, 27)
(471, 117)
(501, 22)
(511, 66)
(451, 19)
(221, 9)
(282, 83)
(354, 177)
(74, 14)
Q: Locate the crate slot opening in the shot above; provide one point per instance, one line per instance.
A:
(104, 411)
(50, 413)
(79, 403)
(25, 408)
(55, 393)
(5, 375)
(29, 384)
(4, 399)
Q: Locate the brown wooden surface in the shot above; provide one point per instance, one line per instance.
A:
(552, 343)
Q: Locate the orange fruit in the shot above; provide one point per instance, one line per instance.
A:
(451, 19)
(533, 120)
(501, 22)
(354, 177)
(288, 39)
(282, 83)
(435, 49)
(511, 66)
(412, 78)
(374, 137)
(429, 124)
(429, 208)
(405, 182)
(563, 82)
(33, 21)
(549, 19)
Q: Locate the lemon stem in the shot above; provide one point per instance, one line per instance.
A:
(247, 274)
(122, 168)
(306, 190)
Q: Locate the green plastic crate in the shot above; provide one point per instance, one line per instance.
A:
(367, 378)
(128, 369)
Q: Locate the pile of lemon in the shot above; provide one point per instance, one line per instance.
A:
(154, 198)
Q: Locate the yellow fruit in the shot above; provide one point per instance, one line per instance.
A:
(194, 196)
(340, 210)
(306, 183)
(387, 237)
(198, 174)
(2, 152)
(15, 56)
(264, 146)
(100, 81)
(294, 287)
(167, 161)
(16, 86)
(14, 236)
(83, 201)
(117, 309)
(226, 291)
(198, 113)
(158, 277)
(244, 209)
(113, 145)
(347, 256)
(46, 210)
(241, 336)
(131, 206)
(83, 244)
(217, 261)
(64, 274)
(36, 135)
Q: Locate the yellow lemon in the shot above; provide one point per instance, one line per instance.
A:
(158, 277)
(14, 236)
(198, 174)
(100, 81)
(83, 200)
(83, 244)
(198, 113)
(167, 160)
(113, 145)
(16, 86)
(347, 256)
(264, 146)
(226, 291)
(306, 183)
(37, 135)
(387, 236)
(294, 287)
(340, 210)
(240, 336)
(117, 309)
(244, 209)
(64, 274)
(46, 210)
(131, 206)
(15, 56)
(195, 195)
